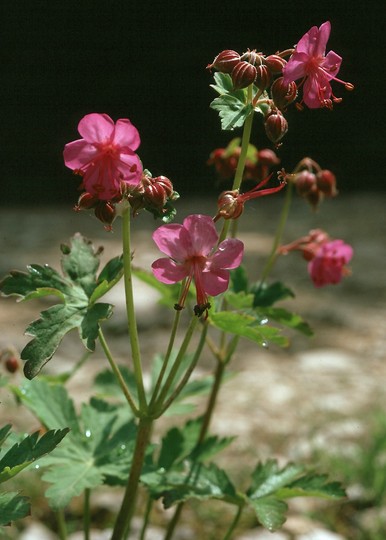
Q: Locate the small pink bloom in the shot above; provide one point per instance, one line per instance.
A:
(193, 254)
(105, 157)
(329, 264)
(327, 259)
(310, 63)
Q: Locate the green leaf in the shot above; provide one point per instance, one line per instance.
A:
(285, 318)
(232, 111)
(78, 290)
(202, 483)
(239, 280)
(13, 507)
(270, 512)
(267, 295)
(80, 262)
(223, 83)
(27, 451)
(97, 450)
(4, 432)
(267, 478)
(313, 485)
(247, 326)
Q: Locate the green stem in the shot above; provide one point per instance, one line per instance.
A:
(146, 517)
(62, 529)
(158, 406)
(167, 357)
(86, 514)
(212, 400)
(188, 372)
(278, 236)
(234, 523)
(246, 137)
(117, 373)
(125, 514)
(131, 319)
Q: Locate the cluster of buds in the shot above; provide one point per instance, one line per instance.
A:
(312, 182)
(257, 164)
(248, 68)
(10, 358)
(152, 194)
(230, 204)
(327, 259)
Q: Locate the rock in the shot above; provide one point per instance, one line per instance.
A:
(37, 531)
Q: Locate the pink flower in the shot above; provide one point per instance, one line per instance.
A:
(194, 254)
(105, 156)
(310, 63)
(329, 264)
(327, 258)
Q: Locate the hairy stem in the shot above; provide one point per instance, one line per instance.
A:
(131, 319)
(125, 514)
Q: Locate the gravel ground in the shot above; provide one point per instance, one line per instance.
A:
(319, 393)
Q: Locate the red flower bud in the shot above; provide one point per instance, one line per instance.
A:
(326, 182)
(276, 126)
(243, 74)
(105, 212)
(252, 57)
(86, 201)
(275, 63)
(12, 364)
(225, 61)
(157, 190)
(263, 77)
(266, 156)
(283, 94)
(305, 182)
(229, 205)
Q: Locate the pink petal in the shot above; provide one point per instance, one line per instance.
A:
(167, 271)
(331, 64)
(101, 180)
(316, 89)
(174, 241)
(295, 68)
(228, 255)
(126, 134)
(96, 128)
(78, 153)
(131, 167)
(202, 233)
(215, 282)
(307, 42)
(323, 35)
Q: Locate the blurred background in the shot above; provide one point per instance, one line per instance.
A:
(146, 61)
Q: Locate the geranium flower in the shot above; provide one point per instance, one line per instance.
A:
(327, 259)
(192, 254)
(105, 157)
(329, 264)
(310, 63)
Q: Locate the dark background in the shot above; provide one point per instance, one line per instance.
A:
(146, 61)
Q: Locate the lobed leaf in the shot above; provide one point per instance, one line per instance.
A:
(232, 111)
(13, 507)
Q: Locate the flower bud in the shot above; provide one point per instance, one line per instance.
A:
(10, 357)
(229, 205)
(305, 182)
(225, 61)
(276, 126)
(252, 57)
(105, 212)
(275, 63)
(266, 156)
(157, 190)
(86, 201)
(283, 94)
(263, 77)
(326, 182)
(243, 74)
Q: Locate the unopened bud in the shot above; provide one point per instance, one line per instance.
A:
(243, 74)
(305, 182)
(326, 182)
(105, 212)
(225, 61)
(283, 94)
(275, 63)
(266, 156)
(254, 58)
(229, 205)
(276, 126)
(10, 358)
(263, 77)
(157, 190)
(86, 201)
